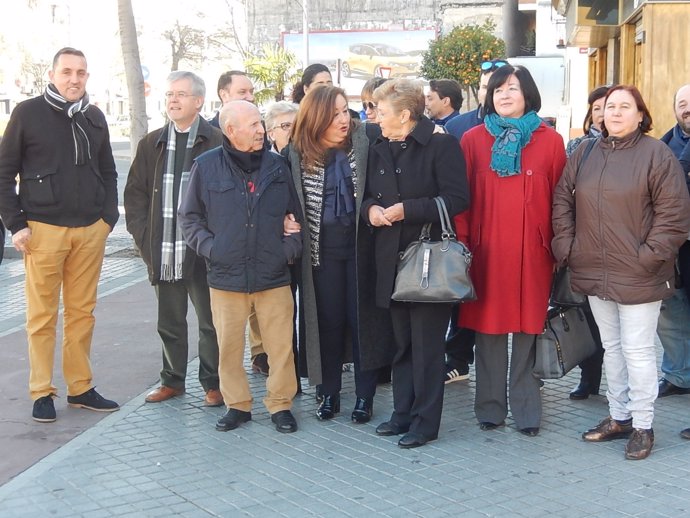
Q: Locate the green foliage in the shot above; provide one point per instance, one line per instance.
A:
(272, 70)
(459, 54)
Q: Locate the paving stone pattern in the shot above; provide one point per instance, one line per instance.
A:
(166, 459)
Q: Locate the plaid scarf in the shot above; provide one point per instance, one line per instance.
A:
(173, 246)
(75, 112)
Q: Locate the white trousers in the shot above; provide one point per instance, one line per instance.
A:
(627, 333)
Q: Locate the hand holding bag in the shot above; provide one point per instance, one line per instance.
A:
(565, 342)
(435, 271)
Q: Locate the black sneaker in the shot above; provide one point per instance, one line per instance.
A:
(459, 374)
(44, 410)
(92, 400)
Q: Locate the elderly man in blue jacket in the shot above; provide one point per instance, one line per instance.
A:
(232, 215)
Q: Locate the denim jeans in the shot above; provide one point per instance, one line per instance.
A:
(627, 333)
(674, 333)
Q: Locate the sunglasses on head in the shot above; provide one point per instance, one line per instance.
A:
(283, 125)
(490, 66)
(368, 106)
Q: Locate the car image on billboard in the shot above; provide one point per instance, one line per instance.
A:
(379, 60)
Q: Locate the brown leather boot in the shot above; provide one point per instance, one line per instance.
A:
(608, 430)
(640, 444)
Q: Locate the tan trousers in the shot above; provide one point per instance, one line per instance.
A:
(274, 312)
(71, 259)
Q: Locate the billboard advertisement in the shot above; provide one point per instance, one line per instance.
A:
(364, 54)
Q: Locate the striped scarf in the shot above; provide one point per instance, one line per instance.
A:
(173, 246)
(75, 112)
(313, 189)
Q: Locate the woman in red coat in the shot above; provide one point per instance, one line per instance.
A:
(514, 162)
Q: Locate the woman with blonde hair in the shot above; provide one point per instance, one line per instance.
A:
(409, 166)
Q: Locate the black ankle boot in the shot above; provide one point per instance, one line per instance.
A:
(364, 408)
(328, 407)
(584, 390)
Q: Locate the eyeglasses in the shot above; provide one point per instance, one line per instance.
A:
(283, 125)
(491, 66)
(179, 95)
(368, 106)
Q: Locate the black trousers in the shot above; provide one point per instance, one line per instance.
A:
(459, 342)
(591, 367)
(335, 285)
(419, 365)
(172, 328)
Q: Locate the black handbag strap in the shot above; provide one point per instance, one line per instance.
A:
(583, 159)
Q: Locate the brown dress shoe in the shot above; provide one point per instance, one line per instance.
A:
(213, 398)
(163, 393)
(640, 444)
(608, 430)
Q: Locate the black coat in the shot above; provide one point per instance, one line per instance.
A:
(39, 146)
(431, 164)
(144, 189)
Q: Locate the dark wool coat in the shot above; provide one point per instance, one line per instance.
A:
(143, 205)
(38, 145)
(431, 165)
(375, 329)
(508, 231)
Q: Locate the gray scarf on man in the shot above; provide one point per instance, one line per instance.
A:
(174, 246)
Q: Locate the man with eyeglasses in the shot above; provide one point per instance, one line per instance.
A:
(459, 125)
(460, 341)
(156, 185)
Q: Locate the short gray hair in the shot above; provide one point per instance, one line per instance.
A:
(277, 109)
(198, 85)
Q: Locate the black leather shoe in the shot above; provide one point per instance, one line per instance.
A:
(364, 409)
(583, 391)
(413, 440)
(530, 431)
(232, 419)
(666, 388)
(389, 428)
(284, 421)
(330, 405)
(685, 434)
(486, 425)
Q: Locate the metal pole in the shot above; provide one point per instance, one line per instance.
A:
(305, 32)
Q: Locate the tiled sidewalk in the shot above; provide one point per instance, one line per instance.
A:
(167, 460)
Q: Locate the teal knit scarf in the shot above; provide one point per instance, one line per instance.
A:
(511, 136)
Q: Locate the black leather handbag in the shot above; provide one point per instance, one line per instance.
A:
(561, 292)
(565, 342)
(435, 271)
